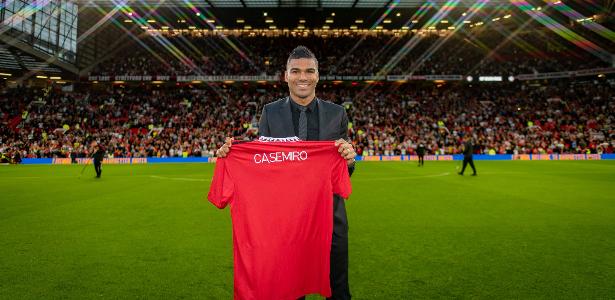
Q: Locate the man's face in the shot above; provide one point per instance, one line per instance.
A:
(302, 77)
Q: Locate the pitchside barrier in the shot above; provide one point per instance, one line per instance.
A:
(492, 157)
(157, 160)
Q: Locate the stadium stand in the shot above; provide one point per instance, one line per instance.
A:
(387, 119)
(213, 56)
(183, 118)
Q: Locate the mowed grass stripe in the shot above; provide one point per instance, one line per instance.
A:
(518, 230)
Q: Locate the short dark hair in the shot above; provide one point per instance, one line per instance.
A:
(301, 52)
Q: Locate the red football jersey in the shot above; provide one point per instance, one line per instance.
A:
(281, 200)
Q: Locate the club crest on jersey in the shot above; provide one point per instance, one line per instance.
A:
(278, 157)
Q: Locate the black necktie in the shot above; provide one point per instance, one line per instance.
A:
(302, 123)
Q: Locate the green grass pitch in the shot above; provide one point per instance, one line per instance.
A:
(519, 230)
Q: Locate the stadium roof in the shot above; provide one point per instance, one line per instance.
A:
(311, 14)
(278, 3)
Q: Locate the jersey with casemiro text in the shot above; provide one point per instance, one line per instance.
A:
(280, 195)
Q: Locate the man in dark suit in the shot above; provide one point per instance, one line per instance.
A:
(420, 151)
(98, 155)
(468, 151)
(312, 119)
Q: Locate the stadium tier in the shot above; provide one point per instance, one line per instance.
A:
(464, 53)
(386, 119)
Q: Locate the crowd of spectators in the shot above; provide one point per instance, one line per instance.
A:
(503, 120)
(386, 118)
(463, 53)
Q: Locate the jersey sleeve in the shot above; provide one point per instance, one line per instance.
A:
(340, 179)
(222, 186)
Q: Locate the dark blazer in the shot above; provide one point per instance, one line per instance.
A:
(276, 121)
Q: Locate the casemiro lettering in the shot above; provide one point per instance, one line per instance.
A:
(277, 157)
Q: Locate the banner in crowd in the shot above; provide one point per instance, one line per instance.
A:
(492, 157)
(222, 78)
(402, 157)
(567, 74)
(275, 78)
(158, 160)
(558, 157)
(190, 78)
(242, 78)
(84, 161)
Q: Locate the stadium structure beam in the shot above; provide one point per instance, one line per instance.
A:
(387, 4)
(355, 3)
(49, 59)
(242, 3)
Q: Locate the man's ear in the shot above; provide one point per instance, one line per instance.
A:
(285, 75)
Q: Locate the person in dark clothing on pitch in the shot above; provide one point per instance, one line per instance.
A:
(17, 156)
(468, 150)
(98, 156)
(420, 151)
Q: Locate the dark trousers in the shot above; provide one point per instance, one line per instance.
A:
(98, 167)
(338, 274)
(468, 160)
(421, 159)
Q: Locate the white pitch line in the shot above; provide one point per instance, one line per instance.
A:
(401, 178)
(177, 178)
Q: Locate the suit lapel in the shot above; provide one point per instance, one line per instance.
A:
(287, 119)
(321, 118)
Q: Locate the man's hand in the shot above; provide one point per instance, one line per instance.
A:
(224, 150)
(346, 150)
